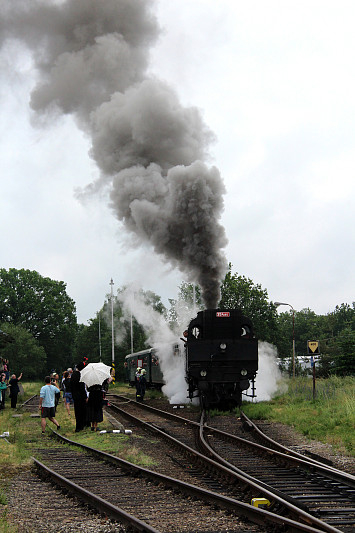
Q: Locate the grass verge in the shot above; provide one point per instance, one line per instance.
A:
(25, 437)
(329, 418)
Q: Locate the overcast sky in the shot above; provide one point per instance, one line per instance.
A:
(275, 82)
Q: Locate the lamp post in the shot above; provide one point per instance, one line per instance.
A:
(112, 332)
(100, 336)
(293, 335)
(132, 301)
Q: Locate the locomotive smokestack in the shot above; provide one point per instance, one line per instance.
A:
(92, 60)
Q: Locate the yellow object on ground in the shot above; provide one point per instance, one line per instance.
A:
(263, 503)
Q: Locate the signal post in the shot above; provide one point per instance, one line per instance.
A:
(312, 350)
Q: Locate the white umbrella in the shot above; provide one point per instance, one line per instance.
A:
(95, 374)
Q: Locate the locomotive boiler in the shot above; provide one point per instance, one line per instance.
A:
(221, 357)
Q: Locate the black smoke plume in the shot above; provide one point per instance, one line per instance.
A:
(92, 58)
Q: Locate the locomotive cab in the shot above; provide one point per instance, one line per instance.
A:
(221, 357)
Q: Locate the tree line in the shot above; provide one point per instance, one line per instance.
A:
(39, 318)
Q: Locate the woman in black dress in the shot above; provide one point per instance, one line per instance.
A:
(94, 406)
(79, 396)
(14, 389)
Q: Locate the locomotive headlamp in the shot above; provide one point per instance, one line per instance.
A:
(203, 373)
(243, 372)
(223, 346)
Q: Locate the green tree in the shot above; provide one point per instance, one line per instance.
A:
(307, 328)
(241, 292)
(41, 306)
(335, 355)
(151, 299)
(285, 335)
(123, 326)
(90, 337)
(189, 296)
(345, 359)
(343, 317)
(87, 343)
(24, 353)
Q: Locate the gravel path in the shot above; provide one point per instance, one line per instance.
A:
(36, 506)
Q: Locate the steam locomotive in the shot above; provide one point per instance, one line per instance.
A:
(221, 359)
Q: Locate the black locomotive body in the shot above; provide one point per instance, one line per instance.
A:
(221, 357)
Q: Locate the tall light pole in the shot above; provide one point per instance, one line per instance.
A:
(293, 336)
(132, 301)
(100, 336)
(112, 332)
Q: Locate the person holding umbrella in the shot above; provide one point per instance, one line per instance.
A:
(94, 375)
(94, 406)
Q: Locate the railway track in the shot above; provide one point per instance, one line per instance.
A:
(329, 516)
(97, 485)
(304, 490)
(321, 490)
(31, 404)
(122, 490)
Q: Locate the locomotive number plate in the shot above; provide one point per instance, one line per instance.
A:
(223, 314)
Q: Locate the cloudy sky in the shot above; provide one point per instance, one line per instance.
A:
(275, 82)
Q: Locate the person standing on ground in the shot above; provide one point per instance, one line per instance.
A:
(67, 395)
(80, 398)
(143, 384)
(47, 403)
(105, 387)
(6, 370)
(137, 379)
(55, 382)
(14, 389)
(3, 387)
(94, 406)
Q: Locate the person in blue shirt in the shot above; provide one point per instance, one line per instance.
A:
(47, 403)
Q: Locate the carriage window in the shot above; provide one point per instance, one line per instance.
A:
(176, 350)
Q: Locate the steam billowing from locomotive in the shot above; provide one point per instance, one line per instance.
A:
(92, 59)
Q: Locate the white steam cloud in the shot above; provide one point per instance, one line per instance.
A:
(162, 338)
(269, 375)
(91, 58)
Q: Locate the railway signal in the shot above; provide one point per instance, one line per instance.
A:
(312, 350)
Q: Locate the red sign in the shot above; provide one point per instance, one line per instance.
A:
(222, 314)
